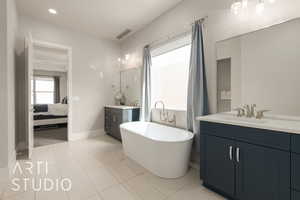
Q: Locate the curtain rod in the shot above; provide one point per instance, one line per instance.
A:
(201, 20)
(174, 35)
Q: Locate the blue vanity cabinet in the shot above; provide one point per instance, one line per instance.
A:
(295, 195)
(114, 117)
(296, 172)
(296, 143)
(262, 173)
(295, 167)
(220, 168)
(245, 163)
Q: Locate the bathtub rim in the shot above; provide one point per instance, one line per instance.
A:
(191, 135)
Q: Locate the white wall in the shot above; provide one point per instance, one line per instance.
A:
(8, 24)
(91, 58)
(221, 24)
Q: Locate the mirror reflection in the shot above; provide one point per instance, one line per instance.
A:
(261, 68)
(130, 85)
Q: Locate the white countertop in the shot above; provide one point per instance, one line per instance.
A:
(269, 122)
(121, 107)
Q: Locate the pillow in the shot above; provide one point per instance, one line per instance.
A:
(65, 100)
(38, 108)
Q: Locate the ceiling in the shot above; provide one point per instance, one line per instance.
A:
(101, 18)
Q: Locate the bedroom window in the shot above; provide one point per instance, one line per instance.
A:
(43, 90)
(169, 74)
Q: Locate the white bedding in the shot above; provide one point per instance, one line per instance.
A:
(56, 110)
(50, 121)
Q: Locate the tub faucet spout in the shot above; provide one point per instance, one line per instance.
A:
(162, 113)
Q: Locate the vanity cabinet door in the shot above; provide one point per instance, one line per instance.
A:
(296, 171)
(116, 120)
(219, 164)
(262, 173)
(107, 122)
(295, 195)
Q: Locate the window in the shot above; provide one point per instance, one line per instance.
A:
(169, 75)
(42, 90)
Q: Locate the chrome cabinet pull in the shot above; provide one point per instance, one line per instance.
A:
(230, 152)
(238, 155)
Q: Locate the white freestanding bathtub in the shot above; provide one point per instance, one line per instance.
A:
(163, 150)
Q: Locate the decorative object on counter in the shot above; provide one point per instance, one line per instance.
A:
(250, 111)
(120, 99)
(165, 115)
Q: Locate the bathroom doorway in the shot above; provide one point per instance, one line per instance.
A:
(48, 90)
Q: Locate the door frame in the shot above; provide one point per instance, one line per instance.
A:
(28, 106)
(68, 49)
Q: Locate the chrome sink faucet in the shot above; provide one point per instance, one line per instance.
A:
(260, 114)
(250, 111)
(240, 112)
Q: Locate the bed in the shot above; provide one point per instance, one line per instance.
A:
(50, 114)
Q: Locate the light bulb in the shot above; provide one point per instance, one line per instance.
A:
(260, 7)
(127, 56)
(52, 11)
(245, 3)
(236, 7)
(272, 1)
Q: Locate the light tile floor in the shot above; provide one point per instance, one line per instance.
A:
(100, 171)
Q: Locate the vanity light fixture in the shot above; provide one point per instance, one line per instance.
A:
(245, 3)
(52, 11)
(239, 6)
(260, 7)
(236, 7)
(126, 58)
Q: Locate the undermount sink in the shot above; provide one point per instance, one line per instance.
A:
(243, 119)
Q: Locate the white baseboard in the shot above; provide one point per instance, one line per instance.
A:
(86, 134)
